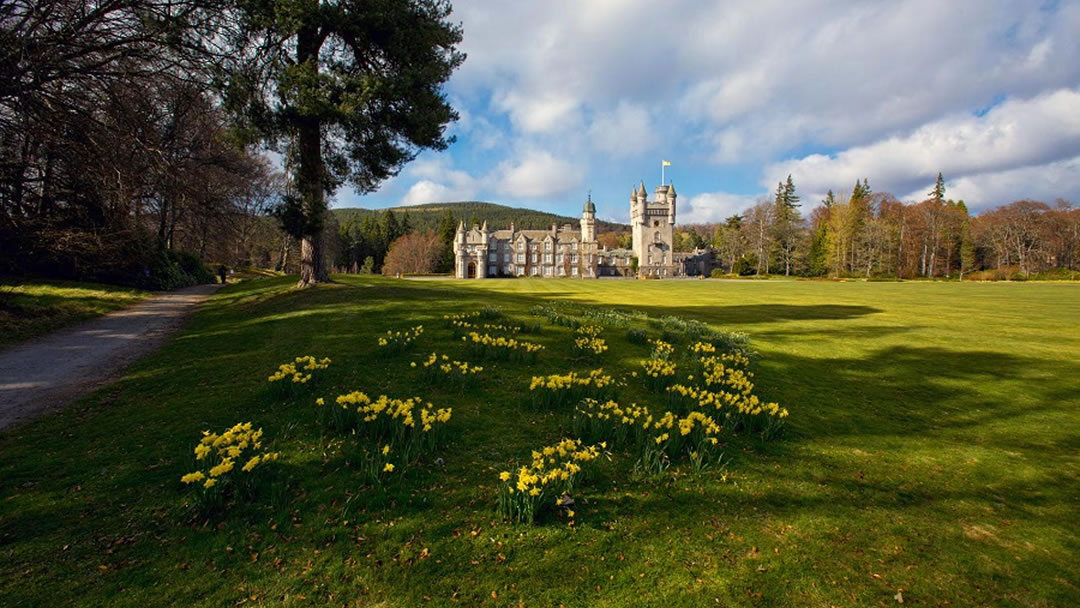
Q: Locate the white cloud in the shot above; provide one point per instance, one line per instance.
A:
(624, 131)
(1042, 183)
(883, 90)
(714, 207)
(438, 182)
(768, 76)
(538, 174)
(542, 112)
(1014, 135)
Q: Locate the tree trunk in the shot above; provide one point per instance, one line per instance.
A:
(310, 175)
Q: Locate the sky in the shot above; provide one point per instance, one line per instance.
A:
(560, 99)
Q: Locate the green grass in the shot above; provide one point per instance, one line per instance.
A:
(932, 449)
(31, 309)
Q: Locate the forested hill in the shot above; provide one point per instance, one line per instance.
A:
(498, 217)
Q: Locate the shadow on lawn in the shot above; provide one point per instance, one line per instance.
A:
(765, 313)
(905, 390)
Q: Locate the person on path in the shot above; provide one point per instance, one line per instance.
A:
(221, 273)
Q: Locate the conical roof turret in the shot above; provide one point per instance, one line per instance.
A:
(589, 206)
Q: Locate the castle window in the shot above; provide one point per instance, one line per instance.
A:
(521, 258)
(493, 256)
(574, 246)
(559, 259)
(547, 258)
(547, 271)
(535, 270)
(562, 271)
(655, 223)
(491, 271)
(573, 259)
(547, 246)
(534, 257)
(656, 236)
(506, 256)
(573, 271)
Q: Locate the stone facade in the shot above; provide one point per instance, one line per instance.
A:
(567, 252)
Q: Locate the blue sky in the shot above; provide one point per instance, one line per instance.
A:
(559, 98)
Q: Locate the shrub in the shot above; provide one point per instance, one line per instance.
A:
(636, 336)
(717, 273)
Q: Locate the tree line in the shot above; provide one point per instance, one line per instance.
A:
(872, 234)
(133, 132)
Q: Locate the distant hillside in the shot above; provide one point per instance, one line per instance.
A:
(497, 216)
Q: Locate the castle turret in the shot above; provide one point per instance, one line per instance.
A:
(588, 221)
(460, 260)
(671, 203)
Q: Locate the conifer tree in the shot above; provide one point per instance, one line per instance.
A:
(790, 198)
(447, 230)
(938, 193)
(351, 89)
(390, 227)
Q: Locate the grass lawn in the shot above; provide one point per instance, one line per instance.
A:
(931, 455)
(31, 309)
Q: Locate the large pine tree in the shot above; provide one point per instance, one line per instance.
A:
(352, 90)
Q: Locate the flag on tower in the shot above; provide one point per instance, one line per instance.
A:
(667, 163)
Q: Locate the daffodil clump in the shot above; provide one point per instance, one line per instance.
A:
(657, 439)
(658, 373)
(702, 348)
(661, 351)
(562, 389)
(444, 370)
(407, 428)
(229, 462)
(548, 479)
(451, 320)
(462, 328)
(588, 343)
(486, 346)
(727, 391)
(400, 341)
(596, 420)
(298, 373)
(707, 362)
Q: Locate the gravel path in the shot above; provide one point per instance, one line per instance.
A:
(50, 372)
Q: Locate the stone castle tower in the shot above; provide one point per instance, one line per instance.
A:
(588, 221)
(652, 225)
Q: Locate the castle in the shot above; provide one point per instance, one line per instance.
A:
(565, 252)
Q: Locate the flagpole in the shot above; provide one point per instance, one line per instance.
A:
(662, 173)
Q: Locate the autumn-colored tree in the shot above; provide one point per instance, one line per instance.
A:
(414, 253)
